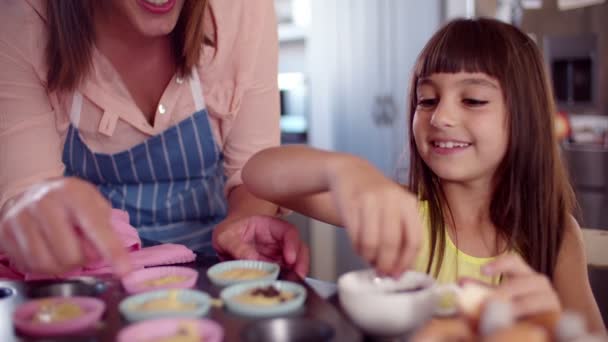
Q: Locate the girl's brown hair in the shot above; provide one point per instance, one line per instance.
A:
(71, 36)
(532, 198)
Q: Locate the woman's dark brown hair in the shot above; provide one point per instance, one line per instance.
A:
(532, 198)
(71, 37)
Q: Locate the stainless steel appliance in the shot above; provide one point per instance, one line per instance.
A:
(588, 167)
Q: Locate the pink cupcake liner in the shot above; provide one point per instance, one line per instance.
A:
(135, 282)
(159, 328)
(165, 254)
(23, 317)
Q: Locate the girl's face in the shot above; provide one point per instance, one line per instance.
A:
(150, 18)
(460, 125)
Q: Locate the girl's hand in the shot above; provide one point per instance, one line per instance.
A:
(530, 293)
(380, 216)
(38, 230)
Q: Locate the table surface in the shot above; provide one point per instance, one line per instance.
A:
(111, 292)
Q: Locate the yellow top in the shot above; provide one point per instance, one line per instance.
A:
(455, 264)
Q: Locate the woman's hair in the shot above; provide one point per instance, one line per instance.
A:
(71, 36)
(532, 198)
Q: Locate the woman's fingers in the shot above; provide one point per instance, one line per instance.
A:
(91, 213)
(57, 231)
(302, 265)
(286, 237)
(33, 248)
(44, 222)
(11, 249)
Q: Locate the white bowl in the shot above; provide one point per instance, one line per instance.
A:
(385, 308)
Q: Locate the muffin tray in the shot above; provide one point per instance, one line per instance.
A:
(319, 320)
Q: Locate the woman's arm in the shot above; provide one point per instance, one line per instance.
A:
(39, 208)
(30, 146)
(248, 45)
(571, 279)
(250, 231)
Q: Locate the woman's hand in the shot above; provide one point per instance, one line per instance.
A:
(530, 293)
(262, 238)
(48, 228)
(381, 217)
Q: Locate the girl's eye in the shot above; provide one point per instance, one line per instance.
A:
(427, 103)
(474, 102)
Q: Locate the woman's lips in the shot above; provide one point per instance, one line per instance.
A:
(157, 6)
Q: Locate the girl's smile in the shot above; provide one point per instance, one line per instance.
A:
(447, 146)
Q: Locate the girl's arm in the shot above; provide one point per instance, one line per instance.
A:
(571, 279)
(380, 216)
(297, 178)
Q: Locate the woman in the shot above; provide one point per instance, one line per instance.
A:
(147, 106)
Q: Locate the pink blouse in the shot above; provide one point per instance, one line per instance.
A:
(238, 78)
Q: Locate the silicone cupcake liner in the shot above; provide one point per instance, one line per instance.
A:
(165, 254)
(128, 307)
(214, 272)
(23, 317)
(253, 310)
(162, 328)
(136, 282)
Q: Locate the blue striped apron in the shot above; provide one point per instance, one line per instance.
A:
(172, 184)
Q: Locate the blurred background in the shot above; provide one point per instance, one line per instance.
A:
(344, 69)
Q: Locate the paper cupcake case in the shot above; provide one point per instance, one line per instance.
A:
(209, 330)
(128, 306)
(23, 317)
(293, 305)
(135, 282)
(213, 273)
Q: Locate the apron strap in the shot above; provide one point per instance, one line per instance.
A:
(197, 91)
(76, 108)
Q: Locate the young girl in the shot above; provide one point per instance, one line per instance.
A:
(485, 174)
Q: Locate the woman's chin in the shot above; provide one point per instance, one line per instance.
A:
(155, 27)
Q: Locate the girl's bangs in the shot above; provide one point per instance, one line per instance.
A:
(464, 46)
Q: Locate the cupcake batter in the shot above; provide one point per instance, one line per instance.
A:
(265, 296)
(168, 303)
(56, 311)
(242, 273)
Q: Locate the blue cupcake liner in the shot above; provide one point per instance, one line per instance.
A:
(290, 306)
(213, 272)
(128, 305)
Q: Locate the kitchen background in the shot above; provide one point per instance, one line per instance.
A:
(343, 73)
